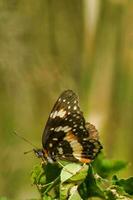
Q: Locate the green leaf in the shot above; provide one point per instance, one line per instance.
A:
(74, 195)
(74, 172)
(45, 197)
(76, 181)
(42, 179)
(71, 173)
(105, 167)
(52, 171)
(101, 182)
(69, 191)
(37, 174)
(126, 184)
(90, 187)
(81, 174)
(64, 190)
(116, 193)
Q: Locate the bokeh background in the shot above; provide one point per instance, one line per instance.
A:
(48, 46)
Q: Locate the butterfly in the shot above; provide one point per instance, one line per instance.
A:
(66, 135)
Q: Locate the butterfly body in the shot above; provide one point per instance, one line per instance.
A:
(66, 135)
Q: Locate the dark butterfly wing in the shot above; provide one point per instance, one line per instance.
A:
(93, 133)
(66, 135)
(60, 113)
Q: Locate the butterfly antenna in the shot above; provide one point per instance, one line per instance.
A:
(28, 151)
(24, 139)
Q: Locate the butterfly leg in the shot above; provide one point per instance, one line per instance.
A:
(51, 185)
(48, 186)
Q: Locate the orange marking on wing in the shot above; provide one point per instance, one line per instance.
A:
(45, 152)
(85, 160)
(70, 136)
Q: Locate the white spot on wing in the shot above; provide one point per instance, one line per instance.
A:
(55, 139)
(50, 144)
(61, 128)
(60, 150)
(85, 139)
(49, 159)
(75, 108)
(61, 113)
(54, 114)
(57, 129)
(66, 129)
(51, 115)
(75, 125)
(95, 150)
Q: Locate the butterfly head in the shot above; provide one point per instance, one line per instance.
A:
(41, 153)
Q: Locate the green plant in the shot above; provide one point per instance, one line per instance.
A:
(75, 181)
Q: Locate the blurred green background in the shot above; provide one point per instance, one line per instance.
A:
(48, 46)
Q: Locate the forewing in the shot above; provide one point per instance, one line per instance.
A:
(66, 104)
